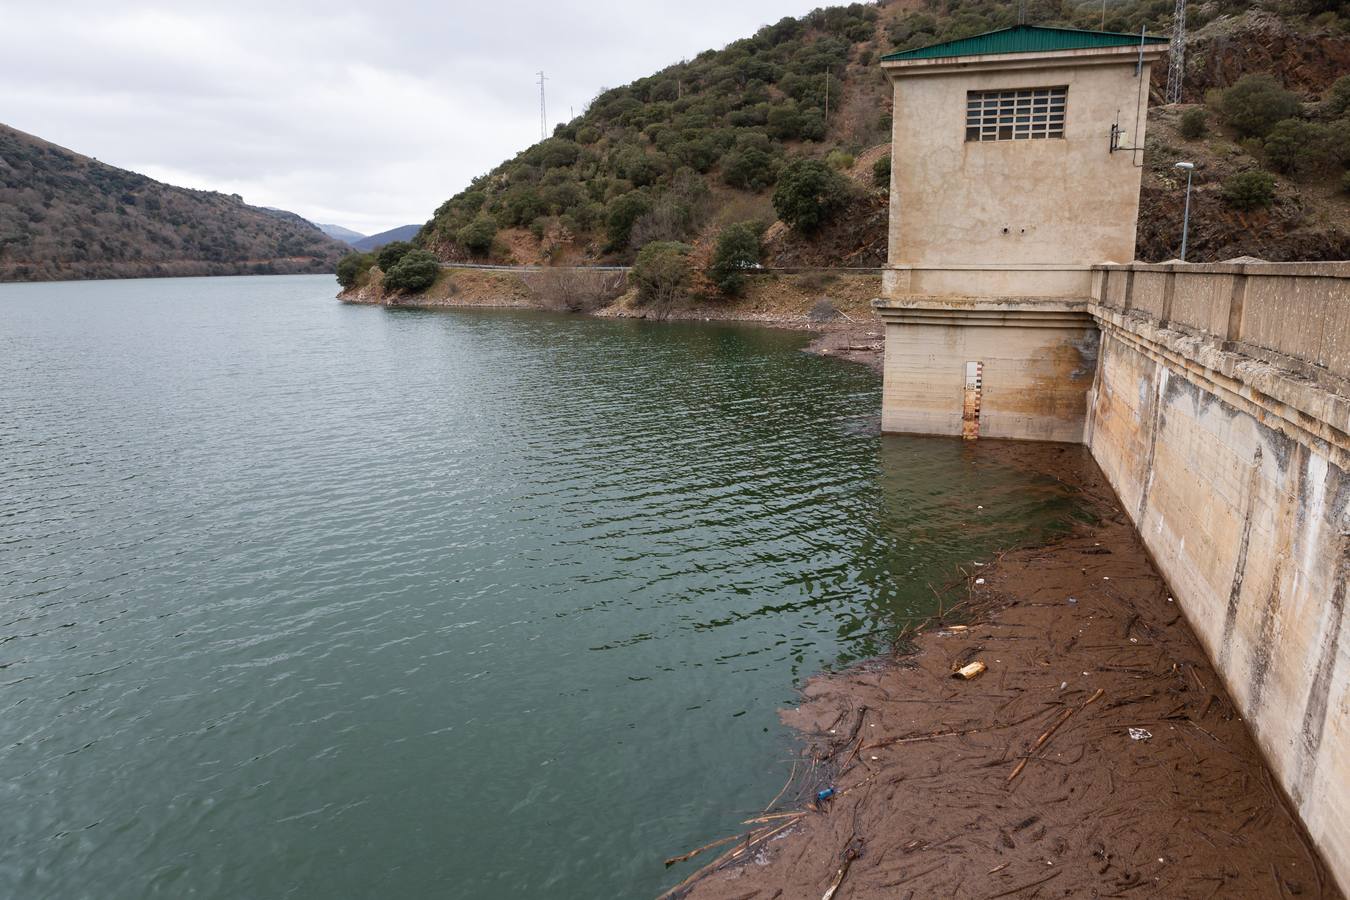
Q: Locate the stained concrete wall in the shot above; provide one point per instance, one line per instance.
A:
(1038, 362)
(1013, 217)
(1221, 415)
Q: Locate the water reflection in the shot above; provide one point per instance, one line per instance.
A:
(312, 600)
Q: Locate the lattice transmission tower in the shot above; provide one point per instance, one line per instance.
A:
(543, 110)
(1176, 61)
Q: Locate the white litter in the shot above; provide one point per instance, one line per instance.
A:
(979, 581)
(1140, 734)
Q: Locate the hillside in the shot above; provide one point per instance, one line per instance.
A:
(376, 241)
(700, 144)
(339, 233)
(66, 216)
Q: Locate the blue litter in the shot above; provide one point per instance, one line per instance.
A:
(824, 795)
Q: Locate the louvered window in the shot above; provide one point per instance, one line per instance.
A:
(1020, 115)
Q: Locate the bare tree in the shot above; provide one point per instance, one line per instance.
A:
(575, 289)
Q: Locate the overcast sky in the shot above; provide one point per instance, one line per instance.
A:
(366, 115)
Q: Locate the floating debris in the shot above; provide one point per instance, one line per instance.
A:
(970, 670)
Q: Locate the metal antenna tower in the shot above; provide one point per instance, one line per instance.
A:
(1176, 62)
(543, 114)
(1021, 12)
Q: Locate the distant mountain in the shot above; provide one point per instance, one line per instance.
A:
(376, 241)
(337, 232)
(66, 216)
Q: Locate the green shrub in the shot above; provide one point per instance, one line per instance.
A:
(389, 255)
(790, 122)
(352, 266)
(737, 251)
(478, 235)
(661, 273)
(809, 192)
(623, 211)
(1249, 190)
(881, 171)
(1337, 101)
(1255, 103)
(553, 153)
(521, 205)
(1296, 147)
(413, 273)
(839, 160)
(1194, 123)
(749, 168)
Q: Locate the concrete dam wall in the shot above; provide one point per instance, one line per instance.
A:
(1221, 415)
(1216, 399)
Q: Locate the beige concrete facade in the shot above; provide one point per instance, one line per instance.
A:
(1019, 218)
(1034, 360)
(1215, 398)
(1221, 416)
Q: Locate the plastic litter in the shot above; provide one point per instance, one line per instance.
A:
(1140, 734)
(822, 796)
(969, 671)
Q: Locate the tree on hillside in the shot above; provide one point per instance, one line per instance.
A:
(414, 272)
(1255, 103)
(391, 253)
(809, 192)
(1249, 190)
(881, 171)
(352, 266)
(478, 235)
(1193, 124)
(623, 211)
(661, 275)
(737, 251)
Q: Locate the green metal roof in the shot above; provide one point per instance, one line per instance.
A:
(1025, 39)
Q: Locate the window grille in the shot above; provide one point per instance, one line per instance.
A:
(1017, 115)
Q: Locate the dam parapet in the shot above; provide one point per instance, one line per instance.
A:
(1221, 416)
(1216, 400)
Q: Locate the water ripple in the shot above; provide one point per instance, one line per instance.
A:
(306, 600)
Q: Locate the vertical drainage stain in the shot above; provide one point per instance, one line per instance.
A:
(1263, 644)
(1240, 567)
(1319, 695)
(1146, 481)
(970, 406)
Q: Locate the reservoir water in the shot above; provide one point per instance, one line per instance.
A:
(300, 599)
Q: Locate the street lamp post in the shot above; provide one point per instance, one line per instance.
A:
(1188, 168)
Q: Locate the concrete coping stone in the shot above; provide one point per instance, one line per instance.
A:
(1241, 266)
(982, 304)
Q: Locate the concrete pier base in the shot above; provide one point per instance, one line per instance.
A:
(988, 367)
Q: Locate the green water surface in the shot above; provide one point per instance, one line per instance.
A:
(300, 599)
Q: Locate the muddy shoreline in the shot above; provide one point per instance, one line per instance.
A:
(1097, 755)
